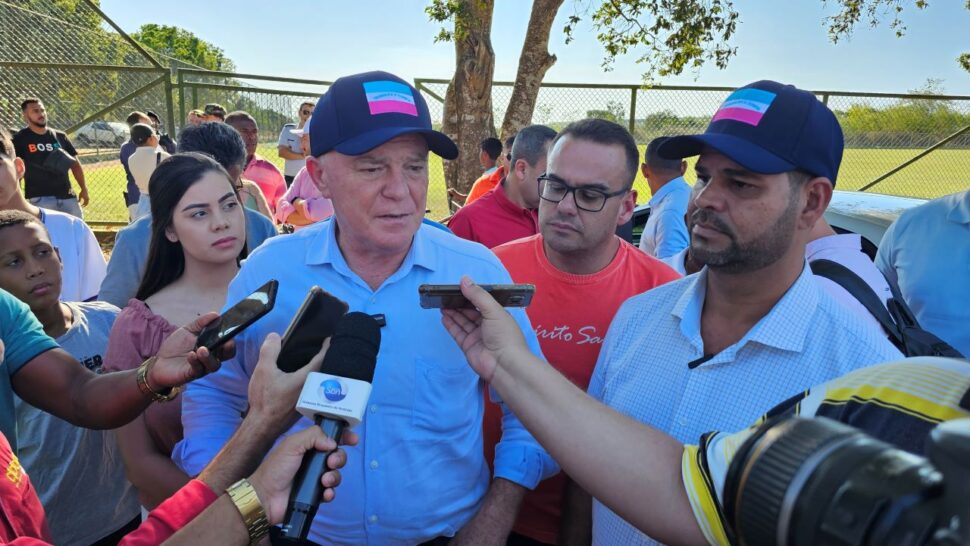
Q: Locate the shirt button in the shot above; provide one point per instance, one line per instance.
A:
(373, 519)
(374, 465)
(683, 422)
(373, 408)
(373, 300)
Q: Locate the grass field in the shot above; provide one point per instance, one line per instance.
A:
(940, 173)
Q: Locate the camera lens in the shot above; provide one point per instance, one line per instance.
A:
(816, 482)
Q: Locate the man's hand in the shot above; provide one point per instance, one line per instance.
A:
(178, 360)
(272, 392)
(274, 478)
(82, 197)
(488, 335)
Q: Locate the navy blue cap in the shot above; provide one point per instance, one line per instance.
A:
(360, 112)
(769, 128)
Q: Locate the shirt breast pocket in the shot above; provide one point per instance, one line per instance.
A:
(447, 399)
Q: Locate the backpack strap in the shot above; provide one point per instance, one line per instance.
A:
(862, 292)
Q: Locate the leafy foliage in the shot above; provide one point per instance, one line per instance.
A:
(448, 11)
(614, 112)
(676, 34)
(183, 45)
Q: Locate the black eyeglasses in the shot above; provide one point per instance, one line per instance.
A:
(555, 189)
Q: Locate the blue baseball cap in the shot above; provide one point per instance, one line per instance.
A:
(360, 112)
(769, 128)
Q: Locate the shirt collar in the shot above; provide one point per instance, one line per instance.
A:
(503, 200)
(666, 190)
(784, 327)
(322, 249)
(961, 209)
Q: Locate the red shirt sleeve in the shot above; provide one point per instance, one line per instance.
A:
(173, 514)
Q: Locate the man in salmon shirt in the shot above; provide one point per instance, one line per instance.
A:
(582, 271)
(269, 179)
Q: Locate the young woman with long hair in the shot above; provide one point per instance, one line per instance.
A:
(198, 238)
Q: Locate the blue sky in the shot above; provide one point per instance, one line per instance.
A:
(776, 39)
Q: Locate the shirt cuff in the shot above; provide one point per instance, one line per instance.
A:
(525, 465)
(173, 514)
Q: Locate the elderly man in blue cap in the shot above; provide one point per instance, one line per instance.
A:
(419, 474)
(713, 350)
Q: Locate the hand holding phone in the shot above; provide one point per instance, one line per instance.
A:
(238, 317)
(314, 322)
(449, 296)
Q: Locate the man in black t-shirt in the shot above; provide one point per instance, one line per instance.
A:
(48, 155)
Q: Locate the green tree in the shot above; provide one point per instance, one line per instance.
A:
(178, 43)
(678, 34)
(614, 112)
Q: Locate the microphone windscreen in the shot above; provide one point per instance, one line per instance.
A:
(353, 348)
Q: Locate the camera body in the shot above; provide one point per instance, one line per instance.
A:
(799, 481)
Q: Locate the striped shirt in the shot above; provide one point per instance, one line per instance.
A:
(806, 339)
(898, 403)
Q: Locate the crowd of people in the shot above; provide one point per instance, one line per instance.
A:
(606, 412)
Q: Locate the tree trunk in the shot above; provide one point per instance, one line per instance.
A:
(468, 100)
(534, 62)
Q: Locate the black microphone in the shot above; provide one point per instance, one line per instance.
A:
(335, 397)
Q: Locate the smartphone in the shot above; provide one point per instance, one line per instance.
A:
(449, 296)
(315, 321)
(238, 317)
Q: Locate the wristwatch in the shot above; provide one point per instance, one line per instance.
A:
(247, 502)
(142, 378)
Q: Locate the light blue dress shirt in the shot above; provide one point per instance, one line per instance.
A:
(130, 255)
(419, 471)
(665, 233)
(926, 253)
(806, 339)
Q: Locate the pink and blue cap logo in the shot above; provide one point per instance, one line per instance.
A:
(746, 105)
(387, 97)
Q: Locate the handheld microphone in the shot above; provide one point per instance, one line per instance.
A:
(334, 398)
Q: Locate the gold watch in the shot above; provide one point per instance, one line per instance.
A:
(142, 378)
(247, 502)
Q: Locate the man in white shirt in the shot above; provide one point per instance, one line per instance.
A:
(753, 325)
(290, 147)
(142, 163)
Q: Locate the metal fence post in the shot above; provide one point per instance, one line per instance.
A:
(169, 105)
(181, 82)
(633, 112)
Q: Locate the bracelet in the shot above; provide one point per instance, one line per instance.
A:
(246, 500)
(142, 378)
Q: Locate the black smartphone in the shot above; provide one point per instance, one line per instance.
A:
(449, 296)
(238, 317)
(315, 321)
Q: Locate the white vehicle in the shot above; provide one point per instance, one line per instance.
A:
(101, 133)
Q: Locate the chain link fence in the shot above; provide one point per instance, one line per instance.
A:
(928, 136)
(90, 75)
